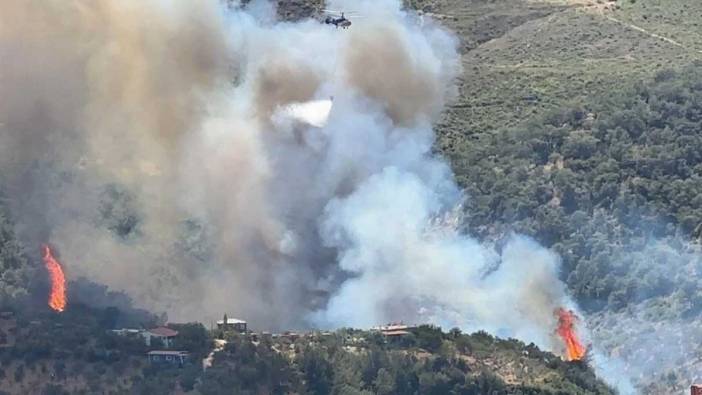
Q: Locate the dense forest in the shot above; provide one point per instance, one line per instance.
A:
(613, 185)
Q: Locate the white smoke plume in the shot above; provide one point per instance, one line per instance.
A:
(144, 140)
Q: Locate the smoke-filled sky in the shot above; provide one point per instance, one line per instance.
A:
(144, 140)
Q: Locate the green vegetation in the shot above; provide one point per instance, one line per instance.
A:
(576, 126)
(74, 352)
(15, 270)
(358, 362)
(577, 123)
(600, 183)
(528, 58)
(673, 19)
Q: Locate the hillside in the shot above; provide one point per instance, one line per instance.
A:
(577, 123)
(577, 126)
(426, 362)
(534, 57)
(76, 353)
(68, 353)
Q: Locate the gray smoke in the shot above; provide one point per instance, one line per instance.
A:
(653, 341)
(143, 140)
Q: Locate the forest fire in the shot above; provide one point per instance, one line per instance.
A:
(575, 351)
(57, 297)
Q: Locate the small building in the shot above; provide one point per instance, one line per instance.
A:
(165, 335)
(232, 324)
(696, 389)
(168, 357)
(394, 329)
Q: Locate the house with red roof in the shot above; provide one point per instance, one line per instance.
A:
(395, 329)
(165, 335)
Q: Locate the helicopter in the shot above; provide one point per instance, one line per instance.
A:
(338, 19)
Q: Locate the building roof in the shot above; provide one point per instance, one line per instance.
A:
(163, 332)
(168, 352)
(231, 321)
(393, 327)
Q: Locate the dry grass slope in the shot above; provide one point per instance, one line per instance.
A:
(525, 58)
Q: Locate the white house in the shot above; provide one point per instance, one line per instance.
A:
(177, 358)
(232, 324)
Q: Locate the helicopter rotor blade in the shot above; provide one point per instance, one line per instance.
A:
(346, 13)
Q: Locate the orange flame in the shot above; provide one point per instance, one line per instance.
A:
(575, 351)
(57, 298)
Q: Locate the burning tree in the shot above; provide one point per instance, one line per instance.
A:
(57, 297)
(575, 351)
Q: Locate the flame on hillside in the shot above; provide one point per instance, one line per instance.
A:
(575, 351)
(57, 297)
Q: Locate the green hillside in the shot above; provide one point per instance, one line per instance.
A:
(532, 57)
(579, 127)
(577, 123)
(76, 353)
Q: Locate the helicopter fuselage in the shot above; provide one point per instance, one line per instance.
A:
(338, 22)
